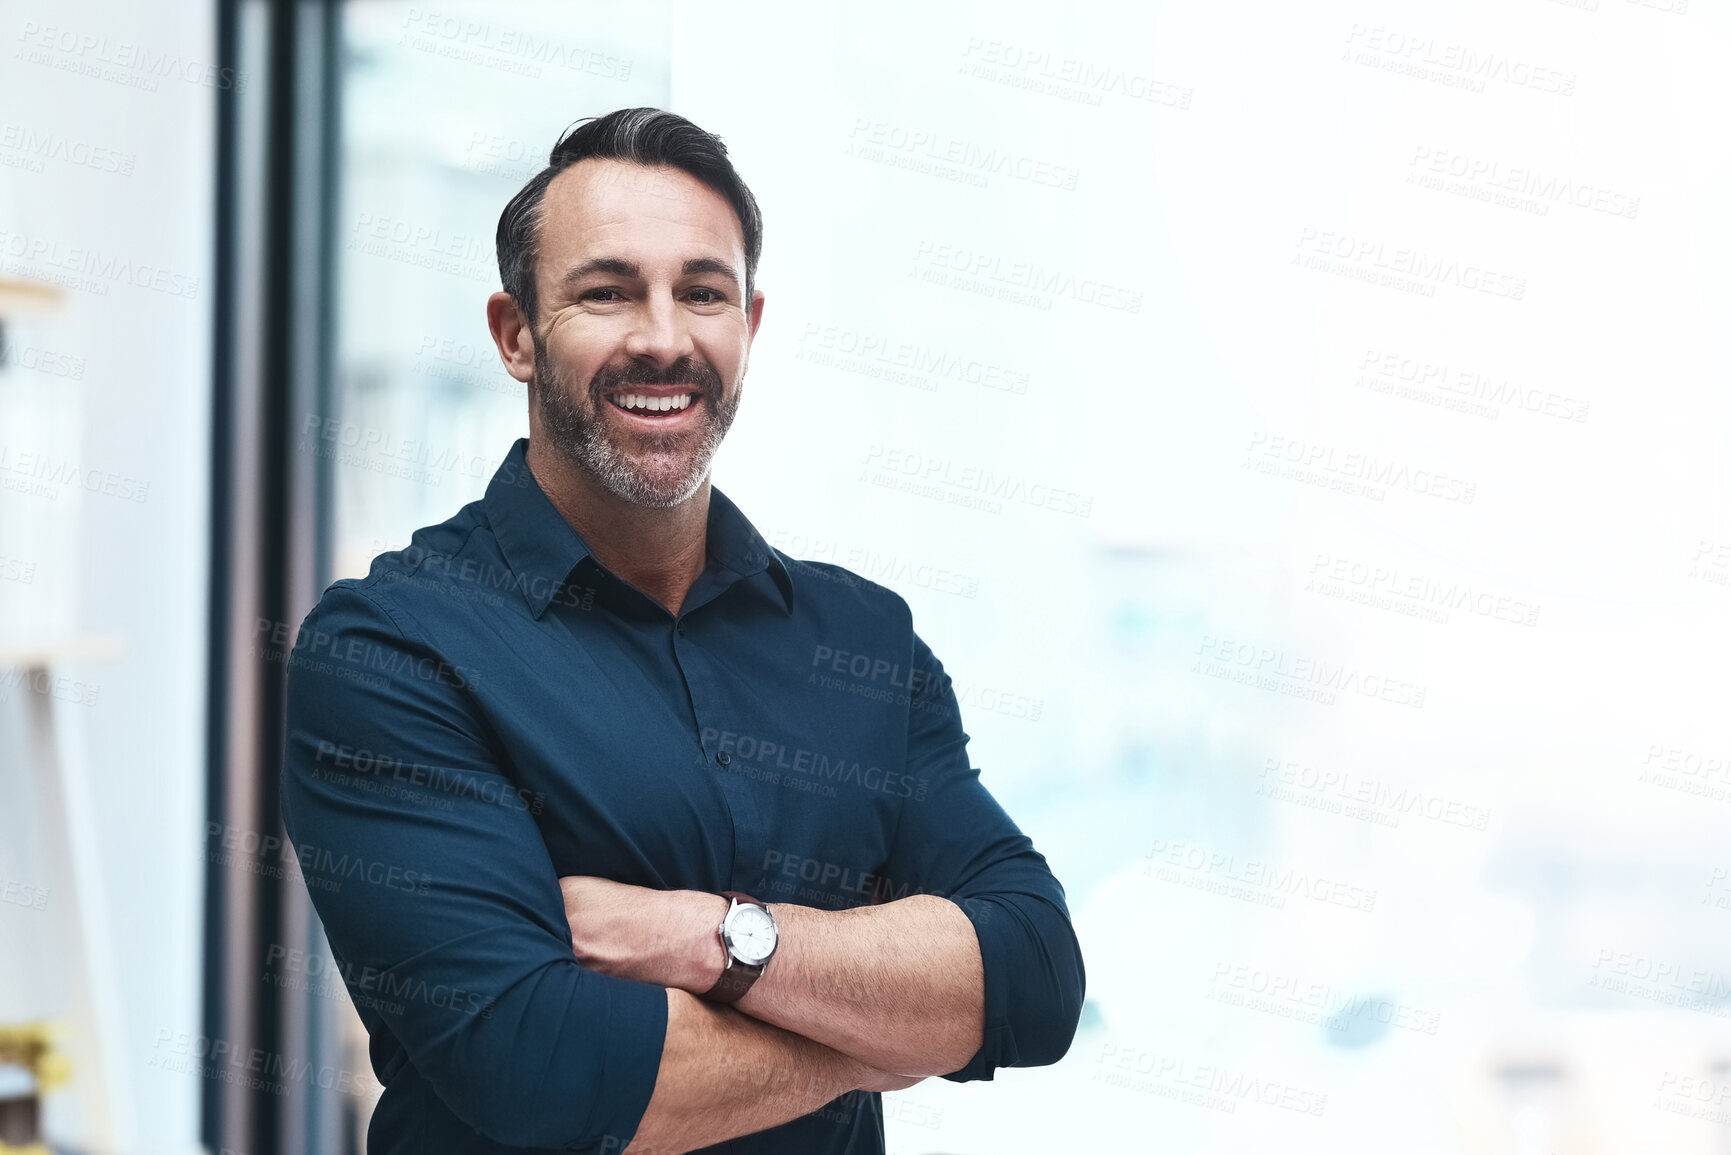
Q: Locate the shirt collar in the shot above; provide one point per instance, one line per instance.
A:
(735, 543)
(543, 549)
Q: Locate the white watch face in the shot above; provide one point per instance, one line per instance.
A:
(751, 933)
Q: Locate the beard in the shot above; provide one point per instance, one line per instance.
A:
(643, 467)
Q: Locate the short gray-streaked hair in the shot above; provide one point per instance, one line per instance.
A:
(647, 136)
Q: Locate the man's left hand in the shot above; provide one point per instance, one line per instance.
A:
(664, 937)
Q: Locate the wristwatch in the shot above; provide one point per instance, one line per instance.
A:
(748, 936)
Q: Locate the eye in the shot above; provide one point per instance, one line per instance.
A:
(596, 293)
(715, 297)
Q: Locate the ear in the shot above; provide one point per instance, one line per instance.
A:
(754, 319)
(756, 313)
(512, 335)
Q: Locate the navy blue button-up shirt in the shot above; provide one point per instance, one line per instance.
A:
(490, 709)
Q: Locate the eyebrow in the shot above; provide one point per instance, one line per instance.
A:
(619, 267)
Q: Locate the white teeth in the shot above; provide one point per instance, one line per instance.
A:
(653, 404)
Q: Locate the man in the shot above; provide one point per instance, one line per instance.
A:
(548, 766)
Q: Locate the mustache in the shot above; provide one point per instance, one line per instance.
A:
(684, 371)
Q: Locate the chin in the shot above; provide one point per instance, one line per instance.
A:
(658, 491)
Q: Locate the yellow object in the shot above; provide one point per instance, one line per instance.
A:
(29, 297)
(31, 1046)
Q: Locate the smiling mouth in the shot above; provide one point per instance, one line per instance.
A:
(654, 405)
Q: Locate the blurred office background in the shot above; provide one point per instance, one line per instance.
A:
(1302, 430)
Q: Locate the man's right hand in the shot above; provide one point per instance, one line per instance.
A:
(872, 1079)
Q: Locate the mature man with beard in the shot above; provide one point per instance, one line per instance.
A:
(547, 765)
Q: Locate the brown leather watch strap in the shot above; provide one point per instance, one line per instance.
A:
(734, 982)
(736, 977)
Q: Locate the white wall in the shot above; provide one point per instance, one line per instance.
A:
(1279, 183)
(106, 172)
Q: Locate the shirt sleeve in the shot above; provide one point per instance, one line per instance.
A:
(438, 896)
(957, 842)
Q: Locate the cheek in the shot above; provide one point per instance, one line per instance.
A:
(577, 354)
(725, 351)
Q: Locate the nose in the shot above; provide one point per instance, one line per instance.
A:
(659, 332)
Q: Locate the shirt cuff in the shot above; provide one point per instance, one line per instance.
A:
(1032, 992)
(636, 1034)
(998, 1045)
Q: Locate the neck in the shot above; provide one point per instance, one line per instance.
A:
(659, 551)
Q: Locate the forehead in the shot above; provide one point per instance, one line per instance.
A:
(638, 210)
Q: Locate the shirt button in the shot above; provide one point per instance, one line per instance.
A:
(723, 757)
(680, 627)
